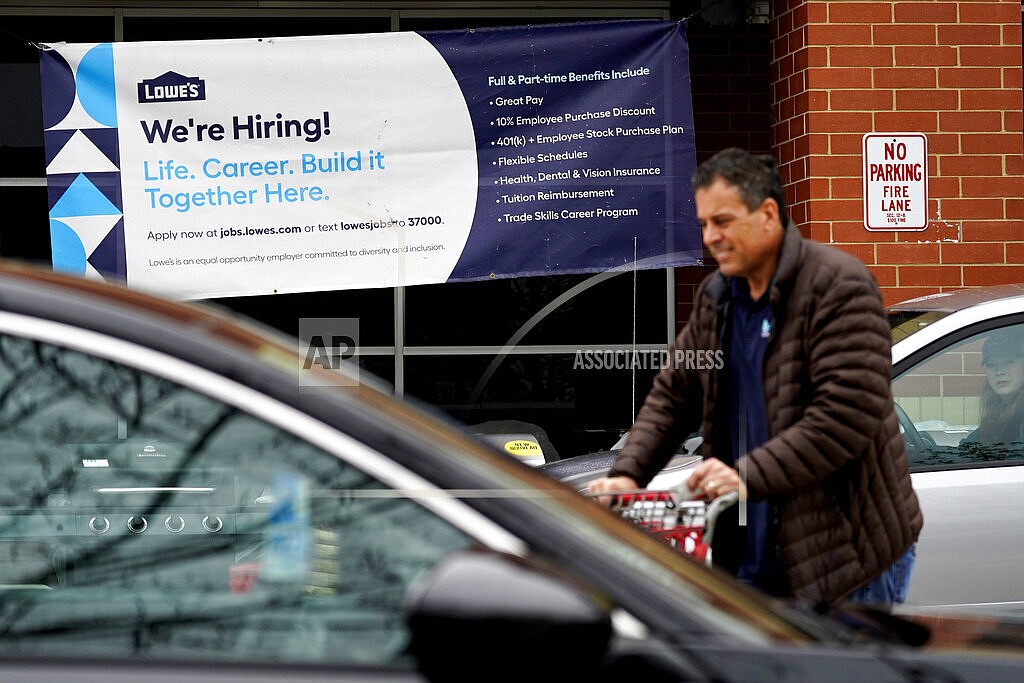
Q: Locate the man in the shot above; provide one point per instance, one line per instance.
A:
(799, 418)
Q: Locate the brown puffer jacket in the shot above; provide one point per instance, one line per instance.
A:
(835, 462)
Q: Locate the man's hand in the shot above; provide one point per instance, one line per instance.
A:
(611, 485)
(714, 478)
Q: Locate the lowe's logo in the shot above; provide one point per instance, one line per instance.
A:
(172, 87)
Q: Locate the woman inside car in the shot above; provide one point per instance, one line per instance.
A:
(1002, 401)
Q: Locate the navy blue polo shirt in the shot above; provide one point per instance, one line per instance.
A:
(752, 326)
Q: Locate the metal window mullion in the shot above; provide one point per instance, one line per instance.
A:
(400, 352)
(670, 303)
(399, 348)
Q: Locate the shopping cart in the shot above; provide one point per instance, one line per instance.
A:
(682, 520)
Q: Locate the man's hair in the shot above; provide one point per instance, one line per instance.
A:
(755, 177)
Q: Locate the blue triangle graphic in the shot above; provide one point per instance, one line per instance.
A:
(109, 183)
(55, 141)
(56, 185)
(109, 255)
(105, 140)
(83, 199)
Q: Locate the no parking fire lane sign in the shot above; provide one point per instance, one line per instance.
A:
(895, 181)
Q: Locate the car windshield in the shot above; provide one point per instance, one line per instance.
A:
(904, 323)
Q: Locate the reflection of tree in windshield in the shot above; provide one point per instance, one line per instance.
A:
(968, 453)
(73, 425)
(133, 508)
(49, 394)
(992, 452)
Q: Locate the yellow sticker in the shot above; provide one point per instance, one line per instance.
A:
(523, 449)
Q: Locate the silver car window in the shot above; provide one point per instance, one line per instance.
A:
(141, 518)
(964, 405)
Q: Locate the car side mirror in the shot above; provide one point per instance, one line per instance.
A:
(479, 612)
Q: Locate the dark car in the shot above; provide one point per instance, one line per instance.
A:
(177, 503)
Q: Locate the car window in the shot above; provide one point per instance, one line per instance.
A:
(964, 405)
(141, 518)
(904, 323)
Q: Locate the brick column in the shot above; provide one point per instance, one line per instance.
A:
(950, 70)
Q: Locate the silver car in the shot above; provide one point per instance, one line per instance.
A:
(970, 556)
(971, 553)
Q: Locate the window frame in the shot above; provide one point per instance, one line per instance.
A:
(937, 339)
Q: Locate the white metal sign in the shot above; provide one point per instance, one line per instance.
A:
(895, 181)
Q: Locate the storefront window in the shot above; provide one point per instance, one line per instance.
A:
(444, 344)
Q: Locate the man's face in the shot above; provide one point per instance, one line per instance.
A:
(745, 243)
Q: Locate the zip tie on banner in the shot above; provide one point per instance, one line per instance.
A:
(42, 47)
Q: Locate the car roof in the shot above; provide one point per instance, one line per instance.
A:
(958, 300)
(30, 287)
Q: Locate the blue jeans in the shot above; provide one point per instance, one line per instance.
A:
(891, 585)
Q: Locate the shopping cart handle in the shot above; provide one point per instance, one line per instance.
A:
(682, 491)
(715, 508)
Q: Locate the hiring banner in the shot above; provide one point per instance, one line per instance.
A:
(235, 167)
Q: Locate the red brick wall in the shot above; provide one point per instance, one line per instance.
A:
(950, 70)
